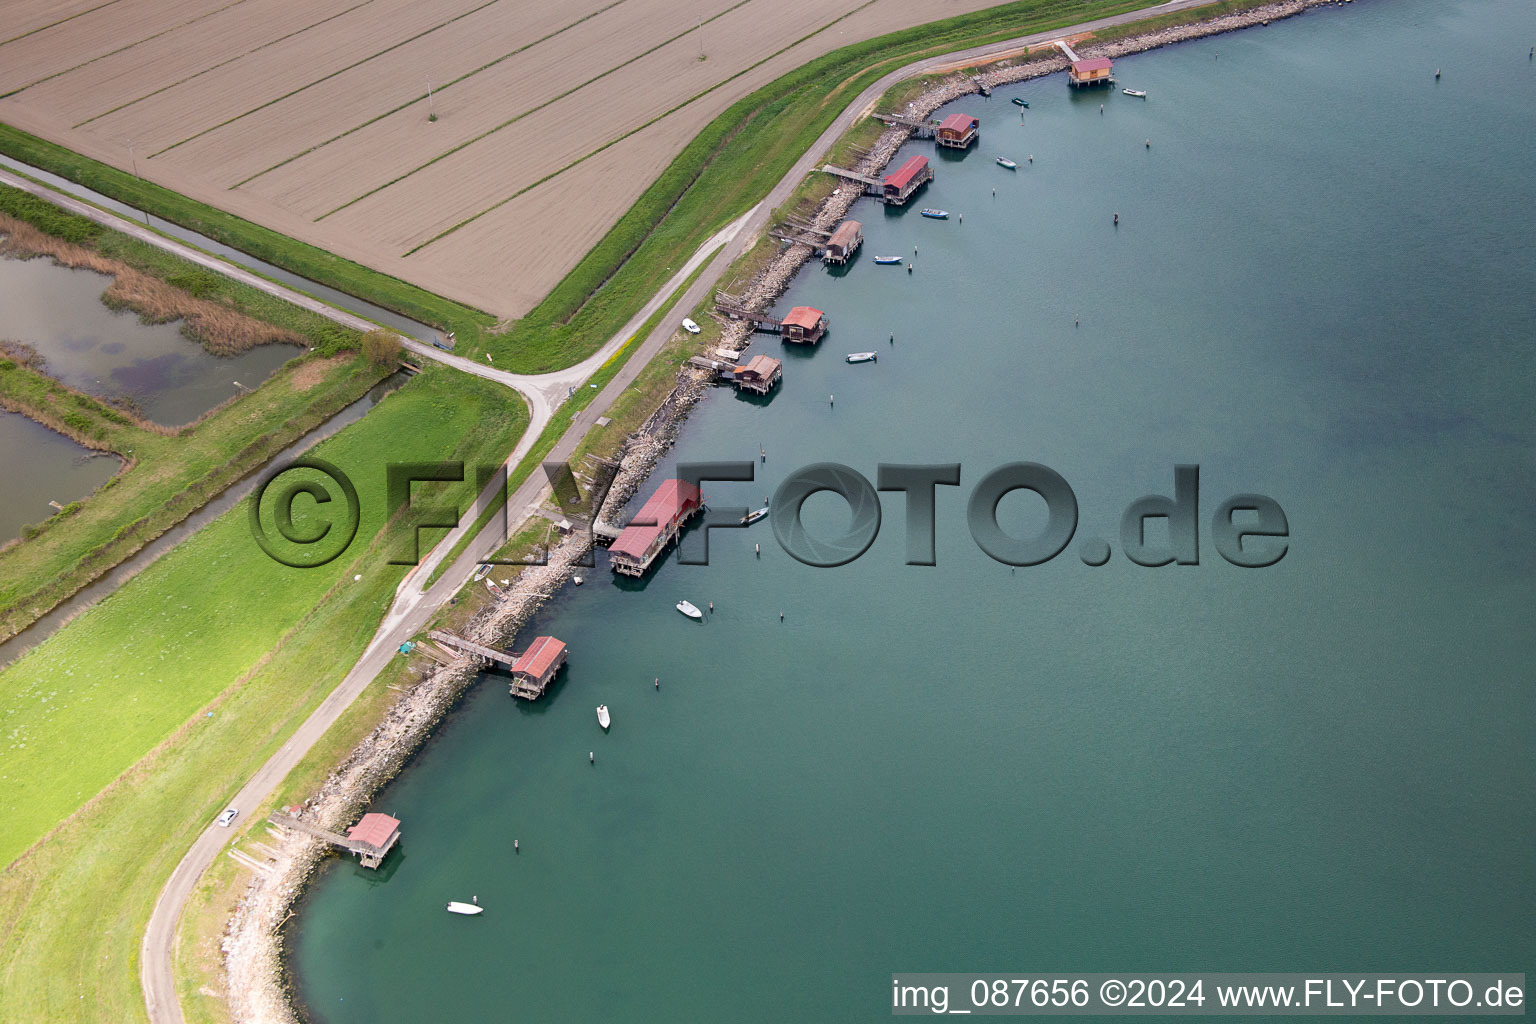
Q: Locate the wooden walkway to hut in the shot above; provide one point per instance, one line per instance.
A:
(370, 839)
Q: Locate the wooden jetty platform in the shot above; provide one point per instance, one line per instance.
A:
(958, 131)
(902, 183)
(1088, 71)
(758, 375)
(922, 127)
(872, 186)
(843, 243)
(532, 671)
(804, 324)
(370, 839)
(656, 525)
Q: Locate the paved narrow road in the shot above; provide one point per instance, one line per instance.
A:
(413, 607)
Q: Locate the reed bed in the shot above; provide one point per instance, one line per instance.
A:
(220, 329)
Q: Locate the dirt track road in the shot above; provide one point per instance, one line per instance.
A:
(414, 607)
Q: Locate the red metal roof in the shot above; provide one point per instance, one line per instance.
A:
(1093, 64)
(541, 655)
(671, 499)
(375, 829)
(804, 317)
(906, 172)
(961, 123)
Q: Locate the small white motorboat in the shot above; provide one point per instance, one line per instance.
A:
(576, 580)
(862, 357)
(690, 609)
(1003, 161)
(1135, 92)
(887, 260)
(468, 909)
(754, 516)
(602, 716)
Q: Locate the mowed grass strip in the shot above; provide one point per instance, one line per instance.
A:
(92, 700)
(73, 910)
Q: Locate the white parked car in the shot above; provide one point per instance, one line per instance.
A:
(690, 326)
(228, 817)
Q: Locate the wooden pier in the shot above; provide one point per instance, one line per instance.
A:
(758, 375)
(843, 243)
(488, 655)
(1088, 71)
(958, 131)
(872, 186)
(922, 128)
(802, 324)
(370, 839)
(656, 525)
(532, 671)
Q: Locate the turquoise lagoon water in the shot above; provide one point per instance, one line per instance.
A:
(1321, 290)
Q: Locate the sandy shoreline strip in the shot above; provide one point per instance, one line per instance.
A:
(257, 983)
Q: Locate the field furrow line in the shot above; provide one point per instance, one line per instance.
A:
(127, 46)
(554, 99)
(53, 24)
(440, 90)
(615, 141)
(325, 78)
(220, 64)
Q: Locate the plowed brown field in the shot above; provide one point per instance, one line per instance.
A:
(312, 119)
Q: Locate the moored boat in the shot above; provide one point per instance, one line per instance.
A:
(1021, 101)
(1003, 161)
(754, 516)
(1135, 92)
(936, 214)
(468, 909)
(887, 260)
(602, 716)
(860, 357)
(690, 609)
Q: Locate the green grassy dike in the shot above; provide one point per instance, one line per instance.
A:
(731, 164)
(119, 699)
(171, 473)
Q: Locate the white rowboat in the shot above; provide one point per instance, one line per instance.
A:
(468, 909)
(602, 716)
